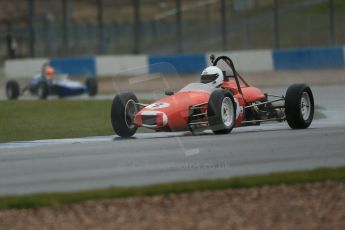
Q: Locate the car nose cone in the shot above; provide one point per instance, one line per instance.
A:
(152, 119)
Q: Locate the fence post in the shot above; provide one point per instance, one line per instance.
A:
(179, 26)
(276, 24)
(331, 22)
(223, 23)
(136, 26)
(100, 25)
(46, 40)
(154, 29)
(65, 24)
(31, 14)
(11, 41)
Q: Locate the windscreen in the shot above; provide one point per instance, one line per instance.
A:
(197, 87)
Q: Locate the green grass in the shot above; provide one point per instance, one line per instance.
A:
(30, 120)
(53, 119)
(289, 178)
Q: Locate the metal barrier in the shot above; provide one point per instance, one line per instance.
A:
(246, 61)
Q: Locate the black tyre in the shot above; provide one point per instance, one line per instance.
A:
(221, 112)
(42, 90)
(299, 106)
(123, 111)
(12, 90)
(92, 86)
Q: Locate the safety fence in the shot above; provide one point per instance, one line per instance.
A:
(41, 28)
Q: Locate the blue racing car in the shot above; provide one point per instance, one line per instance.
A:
(48, 83)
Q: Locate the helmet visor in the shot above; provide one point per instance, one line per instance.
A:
(208, 78)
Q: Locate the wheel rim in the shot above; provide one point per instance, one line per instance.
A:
(130, 111)
(9, 92)
(227, 112)
(305, 106)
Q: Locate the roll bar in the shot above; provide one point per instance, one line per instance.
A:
(230, 63)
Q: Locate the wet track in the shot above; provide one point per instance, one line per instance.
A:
(97, 162)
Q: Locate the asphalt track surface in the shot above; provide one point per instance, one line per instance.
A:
(98, 162)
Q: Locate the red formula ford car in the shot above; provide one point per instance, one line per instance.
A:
(220, 102)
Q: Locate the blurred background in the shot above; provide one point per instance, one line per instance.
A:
(40, 28)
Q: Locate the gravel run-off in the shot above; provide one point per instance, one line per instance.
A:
(307, 206)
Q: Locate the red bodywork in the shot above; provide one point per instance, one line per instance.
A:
(172, 113)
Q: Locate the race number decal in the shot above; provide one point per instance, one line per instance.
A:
(159, 105)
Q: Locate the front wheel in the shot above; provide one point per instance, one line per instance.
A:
(12, 90)
(221, 112)
(92, 86)
(299, 106)
(123, 111)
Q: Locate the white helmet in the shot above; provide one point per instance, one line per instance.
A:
(212, 76)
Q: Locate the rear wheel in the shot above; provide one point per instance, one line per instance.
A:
(123, 111)
(299, 106)
(12, 90)
(221, 112)
(42, 90)
(92, 86)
